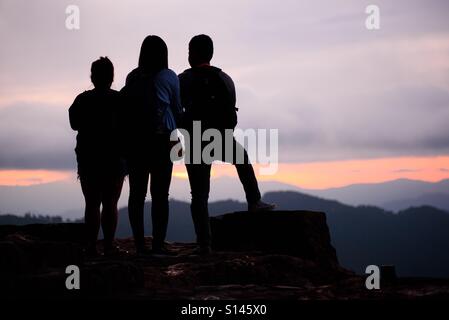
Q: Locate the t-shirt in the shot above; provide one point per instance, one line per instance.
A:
(95, 115)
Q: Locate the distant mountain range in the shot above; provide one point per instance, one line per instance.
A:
(393, 195)
(415, 240)
(65, 199)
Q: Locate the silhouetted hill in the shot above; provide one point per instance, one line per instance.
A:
(438, 200)
(415, 240)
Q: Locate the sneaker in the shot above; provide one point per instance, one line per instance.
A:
(261, 206)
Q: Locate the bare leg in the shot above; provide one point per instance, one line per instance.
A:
(92, 196)
(109, 214)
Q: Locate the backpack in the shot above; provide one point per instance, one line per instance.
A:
(212, 102)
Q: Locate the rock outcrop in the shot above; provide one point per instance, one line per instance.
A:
(302, 234)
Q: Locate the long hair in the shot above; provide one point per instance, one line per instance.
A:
(153, 55)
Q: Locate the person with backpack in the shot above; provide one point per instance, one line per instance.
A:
(101, 171)
(153, 109)
(208, 95)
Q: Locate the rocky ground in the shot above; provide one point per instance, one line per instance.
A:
(255, 275)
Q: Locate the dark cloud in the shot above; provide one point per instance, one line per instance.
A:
(36, 137)
(310, 69)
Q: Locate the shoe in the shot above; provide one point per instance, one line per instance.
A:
(115, 251)
(202, 251)
(261, 206)
(162, 251)
(143, 253)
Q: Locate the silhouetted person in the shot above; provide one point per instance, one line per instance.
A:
(152, 110)
(94, 114)
(208, 95)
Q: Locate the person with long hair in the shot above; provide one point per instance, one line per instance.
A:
(95, 115)
(152, 112)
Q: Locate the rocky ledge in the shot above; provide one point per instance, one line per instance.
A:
(274, 255)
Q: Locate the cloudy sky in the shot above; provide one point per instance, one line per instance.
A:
(351, 104)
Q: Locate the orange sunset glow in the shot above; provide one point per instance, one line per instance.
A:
(314, 175)
(31, 177)
(322, 175)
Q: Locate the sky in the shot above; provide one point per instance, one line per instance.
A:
(352, 105)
